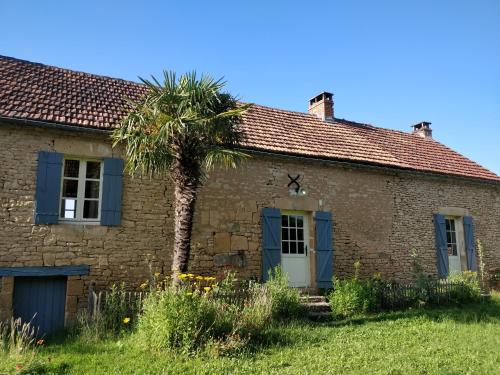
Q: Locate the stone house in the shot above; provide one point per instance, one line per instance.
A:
(317, 194)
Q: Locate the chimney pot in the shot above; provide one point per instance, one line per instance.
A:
(322, 106)
(423, 129)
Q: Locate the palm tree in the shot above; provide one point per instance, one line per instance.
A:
(182, 128)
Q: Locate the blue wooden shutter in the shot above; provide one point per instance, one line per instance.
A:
(441, 246)
(111, 205)
(324, 249)
(470, 245)
(48, 187)
(271, 240)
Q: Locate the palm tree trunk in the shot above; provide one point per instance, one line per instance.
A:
(185, 199)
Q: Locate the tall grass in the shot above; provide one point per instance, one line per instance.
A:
(115, 314)
(223, 317)
(17, 337)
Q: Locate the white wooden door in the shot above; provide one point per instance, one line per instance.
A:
(295, 248)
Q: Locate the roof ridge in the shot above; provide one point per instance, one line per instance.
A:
(286, 110)
(336, 120)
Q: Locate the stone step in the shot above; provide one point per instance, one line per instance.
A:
(312, 299)
(318, 306)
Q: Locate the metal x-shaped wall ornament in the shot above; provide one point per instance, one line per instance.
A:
(294, 181)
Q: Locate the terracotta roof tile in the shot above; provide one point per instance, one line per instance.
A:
(39, 92)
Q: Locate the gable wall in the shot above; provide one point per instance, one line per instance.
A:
(379, 216)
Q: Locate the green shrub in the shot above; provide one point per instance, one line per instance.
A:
(285, 301)
(421, 281)
(177, 318)
(467, 287)
(353, 296)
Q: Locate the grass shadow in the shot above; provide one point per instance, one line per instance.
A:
(481, 312)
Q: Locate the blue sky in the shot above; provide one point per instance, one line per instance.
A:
(389, 63)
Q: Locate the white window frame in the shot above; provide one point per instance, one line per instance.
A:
(80, 196)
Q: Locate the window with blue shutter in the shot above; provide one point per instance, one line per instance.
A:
(441, 246)
(470, 245)
(271, 240)
(112, 191)
(73, 190)
(48, 187)
(324, 249)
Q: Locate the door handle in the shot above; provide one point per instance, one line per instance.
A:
(306, 250)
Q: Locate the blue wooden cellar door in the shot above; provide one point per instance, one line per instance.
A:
(43, 296)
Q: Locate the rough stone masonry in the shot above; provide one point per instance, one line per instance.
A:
(379, 215)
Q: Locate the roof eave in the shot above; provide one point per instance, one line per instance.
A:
(54, 125)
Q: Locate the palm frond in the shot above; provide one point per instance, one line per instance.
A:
(183, 118)
(228, 158)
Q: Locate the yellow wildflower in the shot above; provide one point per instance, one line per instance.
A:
(189, 293)
(126, 320)
(207, 289)
(200, 278)
(190, 275)
(143, 285)
(182, 276)
(157, 274)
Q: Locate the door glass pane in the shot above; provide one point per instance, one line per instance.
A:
(91, 189)
(93, 169)
(452, 225)
(284, 220)
(448, 237)
(71, 168)
(70, 188)
(300, 234)
(300, 221)
(454, 237)
(293, 248)
(300, 247)
(285, 247)
(293, 234)
(68, 208)
(292, 221)
(284, 234)
(90, 209)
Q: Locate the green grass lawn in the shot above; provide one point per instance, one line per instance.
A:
(424, 341)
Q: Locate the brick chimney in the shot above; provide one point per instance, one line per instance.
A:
(423, 129)
(322, 106)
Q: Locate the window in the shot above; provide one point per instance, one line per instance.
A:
(292, 234)
(81, 190)
(451, 237)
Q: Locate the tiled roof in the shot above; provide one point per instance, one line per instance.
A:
(305, 135)
(45, 93)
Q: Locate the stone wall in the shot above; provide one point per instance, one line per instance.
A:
(379, 215)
